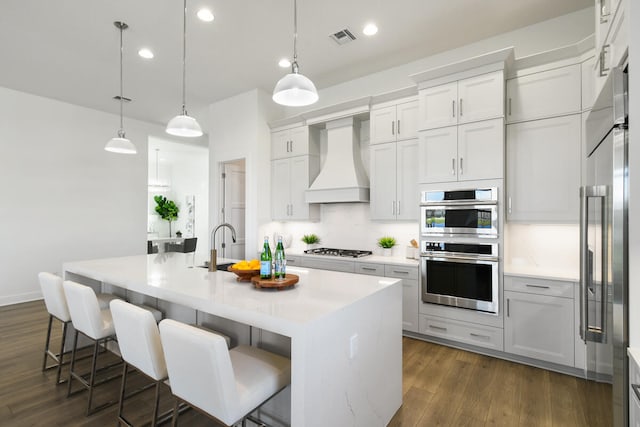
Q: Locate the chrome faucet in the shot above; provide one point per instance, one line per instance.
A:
(213, 260)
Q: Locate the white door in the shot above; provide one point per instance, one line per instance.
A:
(382, 125)
(438, 155)
(407, 194)
(438, 106)
(481, 150)
(407, 120)
(481, 97)
(233, 210)
(383, 181)
(280, 189)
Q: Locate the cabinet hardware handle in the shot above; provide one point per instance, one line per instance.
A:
(486, 337)
(291, 146)
(461, 169)
(604, 16)
(453, 108)
(538, 286)
(398, 210)
(400, 272)
(368, 268)
(460, 107)
(603, 54)
(393, 207)
(509, 106)
(398, 127)
(509, 204)
(393, 123)
(453, 166)
(438, 328)
(507, 307)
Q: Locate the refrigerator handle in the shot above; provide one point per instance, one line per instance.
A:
(584, 265)
(604, 270)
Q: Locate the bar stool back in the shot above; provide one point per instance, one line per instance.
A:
(140, 346)
(226, 385)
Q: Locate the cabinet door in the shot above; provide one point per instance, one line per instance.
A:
(437, 106)
(299, 183)
(299, 138)
(410, 305)
(438, 154)
(407, 194)
(383, 181)
(481, 150)
(481, 97)
(383, 125)
(543, 170)
(280, 190)
(588, 84)
(545, 94)
(280, 144)
(407, 120)
(540, 327)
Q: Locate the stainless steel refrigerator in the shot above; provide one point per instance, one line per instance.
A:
(603, 243)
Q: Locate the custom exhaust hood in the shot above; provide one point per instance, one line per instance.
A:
(342, 178)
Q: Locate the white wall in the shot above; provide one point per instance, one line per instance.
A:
(63, 197)
(238, 129)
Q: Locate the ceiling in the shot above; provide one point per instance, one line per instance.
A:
(69, 50)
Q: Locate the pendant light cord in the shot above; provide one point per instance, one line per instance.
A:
(184, 59)
(121, 84)
(294, 64)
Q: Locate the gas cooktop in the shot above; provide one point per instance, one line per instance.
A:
(349, 253)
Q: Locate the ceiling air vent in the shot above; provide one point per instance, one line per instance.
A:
(343, 37)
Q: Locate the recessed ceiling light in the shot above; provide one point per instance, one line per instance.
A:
(145, 53)
(284, 63)
(370, 29)
(205, 15)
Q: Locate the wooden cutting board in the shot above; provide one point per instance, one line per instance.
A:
(289, 281)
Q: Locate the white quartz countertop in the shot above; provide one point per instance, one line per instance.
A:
(173, 277)
(529, 270)
(375, 259)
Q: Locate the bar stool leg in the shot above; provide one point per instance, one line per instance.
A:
(73, 362)
(156, 403)
(176, 413)
(92, 378)
(46, 345)
(125, 368)
(61, 357)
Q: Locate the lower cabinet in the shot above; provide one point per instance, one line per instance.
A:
(410, 294)
(539, 319)
(465, 332)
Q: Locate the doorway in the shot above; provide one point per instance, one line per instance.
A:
(232, 208)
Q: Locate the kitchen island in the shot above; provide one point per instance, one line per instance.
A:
(345, 330)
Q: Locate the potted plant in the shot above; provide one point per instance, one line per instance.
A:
(178, 233)
(167, 209)
(311, 240)
(386, 243)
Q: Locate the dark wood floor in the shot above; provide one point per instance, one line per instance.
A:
(441, 386)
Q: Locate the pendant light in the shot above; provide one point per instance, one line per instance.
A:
(120, 144)
(294, 89)
(183, 124)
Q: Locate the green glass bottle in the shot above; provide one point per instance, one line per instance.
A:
(265, 260)
(280, 261)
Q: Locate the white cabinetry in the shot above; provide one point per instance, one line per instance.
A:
(410, 294)
(394, 180)
(468, 333)
(389, 123)
(290, 178)
(296, 141)
(468, 100)
(544, 94)
(634, 389)
(543, 170)
(467, 152)
(612, 39)
(539, 320)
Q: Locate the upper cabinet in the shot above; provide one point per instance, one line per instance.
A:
(395, 122)
(463, 101)
(612, 40)
(296, 141)
(544, 94)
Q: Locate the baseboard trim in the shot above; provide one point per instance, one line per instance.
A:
(19, 298)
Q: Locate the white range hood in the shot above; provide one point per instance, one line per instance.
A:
(342, 178)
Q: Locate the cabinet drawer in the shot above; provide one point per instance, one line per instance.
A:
(401, 272)
(534, 285)
(330, 264)
(482, 336)
(370, 269)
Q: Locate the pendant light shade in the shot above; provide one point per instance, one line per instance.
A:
(294, 89)
(120, 144)
(183, 124)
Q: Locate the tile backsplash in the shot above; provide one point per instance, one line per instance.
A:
(545, 246)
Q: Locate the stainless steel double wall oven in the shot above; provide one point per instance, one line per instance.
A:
(460, 248)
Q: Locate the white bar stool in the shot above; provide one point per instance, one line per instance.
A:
(140, 346)
(226, 385)
(96, 324)
(56, 304)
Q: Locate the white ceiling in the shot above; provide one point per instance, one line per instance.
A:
(69, 49)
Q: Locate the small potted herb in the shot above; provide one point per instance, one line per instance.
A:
(386, 243)
(311, 240)
(178, 233)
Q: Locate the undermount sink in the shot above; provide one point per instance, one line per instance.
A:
(221, 267)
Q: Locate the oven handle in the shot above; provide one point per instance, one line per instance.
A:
(459, 257)
(461, 203)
